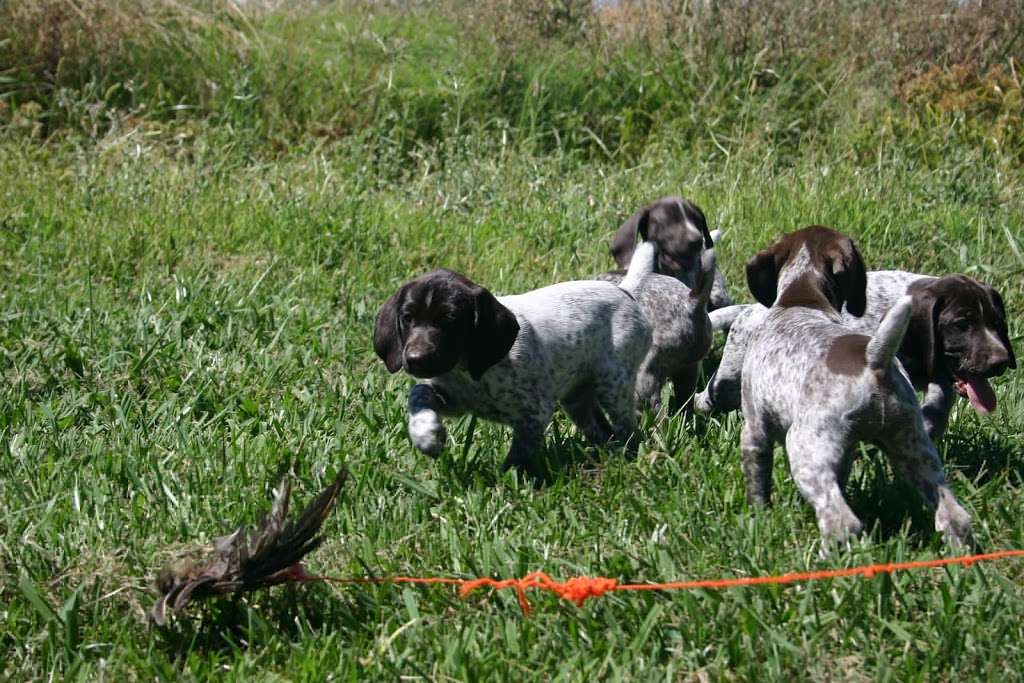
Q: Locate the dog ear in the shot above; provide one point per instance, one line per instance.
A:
(851, 278)
(388, 340)
(763, 277)
(495, 329)
(922, 336)
(1001, 328)
(702, 224)
(624, 241)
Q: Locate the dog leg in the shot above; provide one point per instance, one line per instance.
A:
(914, 456)
(648, 387)
(684, 383)
(618, 398)
(816, 463)
(528, 440)
(758, 453)
(938, 401)
(426, 430)
(583, 411)
(723, 390)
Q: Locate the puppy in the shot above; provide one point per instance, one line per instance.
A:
(678, 315)
(680, 233)
(812, 384)
(513, 359)
(956, 341)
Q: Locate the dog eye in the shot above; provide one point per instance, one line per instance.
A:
(406, 318)
(962, 324)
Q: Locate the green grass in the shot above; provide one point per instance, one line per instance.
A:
(186, 311)
(175, 336)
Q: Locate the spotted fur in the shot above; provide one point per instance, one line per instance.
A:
(810, 384)
(577, 344)
(679, 319)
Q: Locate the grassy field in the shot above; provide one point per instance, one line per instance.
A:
(187, 298)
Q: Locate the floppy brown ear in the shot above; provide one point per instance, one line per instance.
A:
(387, 332)
(922, 335)
(624, 240)
(494, 331)
(709, 243)
(851, 279)
(1001, 329)
(763, 277)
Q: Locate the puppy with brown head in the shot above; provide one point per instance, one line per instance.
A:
(812, 384)
(958, 338)
(441, 319)
(956, 342)
(514, 359)
(679, 231)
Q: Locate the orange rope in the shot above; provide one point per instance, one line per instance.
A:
(579, 589)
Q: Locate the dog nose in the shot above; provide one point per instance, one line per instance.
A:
(417, 358)
(998, 361)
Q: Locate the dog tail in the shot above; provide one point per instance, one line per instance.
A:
(640, 267)
(702, 291)
(886, 341)
(723, 318)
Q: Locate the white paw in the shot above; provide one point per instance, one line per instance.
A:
(702, 402)
(426, 432)
(955, 526)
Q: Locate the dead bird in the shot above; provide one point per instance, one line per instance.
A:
(245, 560)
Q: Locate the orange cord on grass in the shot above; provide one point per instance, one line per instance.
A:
(579, 589)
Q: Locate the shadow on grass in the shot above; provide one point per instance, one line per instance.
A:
(982, 457)
(472, 461)
(227, 625)
(889, 506)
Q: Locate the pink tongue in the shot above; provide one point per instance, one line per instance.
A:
(980, 393)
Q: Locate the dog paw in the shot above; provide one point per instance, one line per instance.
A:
(702, 402)
(427, 432)
(839, 526)
(955, 526)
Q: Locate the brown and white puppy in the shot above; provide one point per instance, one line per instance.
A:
(682, 334)
(679, 231)
(812, 384)
(957, 341)
(514, 359)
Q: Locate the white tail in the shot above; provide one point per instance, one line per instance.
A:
(887, 338)
(702, 292)
(640, 267)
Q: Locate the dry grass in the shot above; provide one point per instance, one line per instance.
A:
(52, 44)
(91, 65)
(904, 35)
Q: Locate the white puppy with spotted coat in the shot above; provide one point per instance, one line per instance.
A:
(515, 359)
(812, 384)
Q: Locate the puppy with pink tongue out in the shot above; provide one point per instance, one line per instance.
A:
(961, 339)
(979, 392)
(956, 342)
